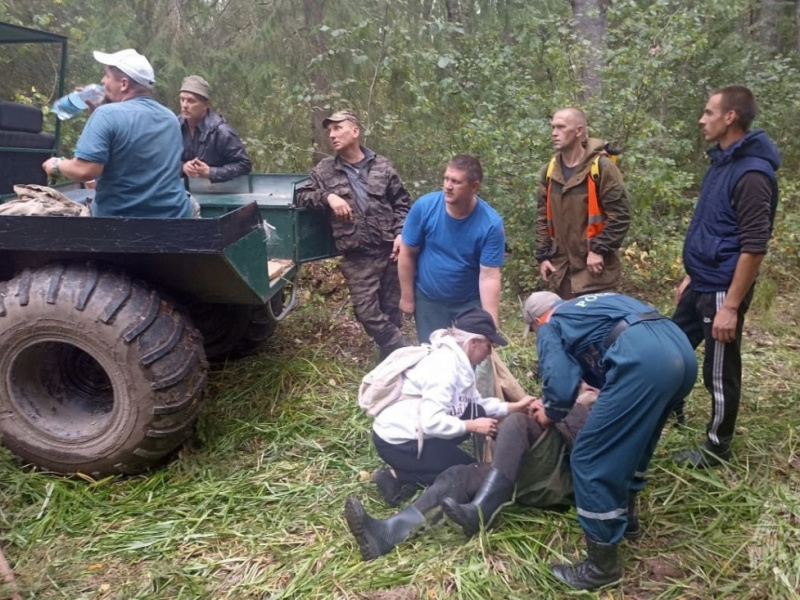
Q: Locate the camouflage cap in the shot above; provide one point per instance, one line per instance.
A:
(342, 115)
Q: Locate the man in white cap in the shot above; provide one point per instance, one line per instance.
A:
(643, 365)
(131, 145)
(211, 147)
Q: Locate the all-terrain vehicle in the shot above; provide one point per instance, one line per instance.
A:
(107, 324)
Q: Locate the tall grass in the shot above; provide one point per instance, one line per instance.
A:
(251, 508)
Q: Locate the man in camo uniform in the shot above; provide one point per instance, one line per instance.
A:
(368, 206)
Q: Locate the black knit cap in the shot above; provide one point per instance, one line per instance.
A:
(477, 320)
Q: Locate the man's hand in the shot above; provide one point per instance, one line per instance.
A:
(723, 329)
(521, 405)
(537, 412)
(594, 263)
(341, 209)
(196, 168)
(484, 426)
(682, 288)
(407, 307)
(546, 268)
(396, 248)
(587, 395)
(49, 165)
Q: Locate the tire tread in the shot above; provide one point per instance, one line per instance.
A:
(118, 300)
(24, 287)
(167, 353)
(55, 284)
(89, 285)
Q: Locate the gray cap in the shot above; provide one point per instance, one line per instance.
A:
(537, 304)
(196, 85)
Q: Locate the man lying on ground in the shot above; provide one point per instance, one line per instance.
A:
(526, 457)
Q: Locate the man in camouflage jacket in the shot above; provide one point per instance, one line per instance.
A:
(368, 206)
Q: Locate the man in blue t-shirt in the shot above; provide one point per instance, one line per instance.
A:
(131, 145)
(453, 246)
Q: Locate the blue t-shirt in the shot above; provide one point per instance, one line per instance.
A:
(139, 144)
(452, 251)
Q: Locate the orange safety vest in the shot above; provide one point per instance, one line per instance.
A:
(597, 220)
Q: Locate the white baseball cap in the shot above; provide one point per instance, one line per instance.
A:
(130, 62)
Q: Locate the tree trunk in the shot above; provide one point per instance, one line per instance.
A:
(313, 12)
(769, 15)
(453, 10)
(797, 22)
(590, 26)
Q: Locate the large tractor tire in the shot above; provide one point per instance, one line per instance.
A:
(98, 373)
(235, 330)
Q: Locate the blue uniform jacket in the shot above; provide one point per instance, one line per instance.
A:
(571, 346)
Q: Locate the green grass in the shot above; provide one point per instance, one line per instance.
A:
(252, 506)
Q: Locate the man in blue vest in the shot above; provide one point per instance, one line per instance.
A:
(725, 245)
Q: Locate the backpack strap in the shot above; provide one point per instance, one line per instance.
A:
(550, 167)
(549, 180)
(594, 171)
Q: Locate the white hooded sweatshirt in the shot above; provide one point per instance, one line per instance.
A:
(435, 393)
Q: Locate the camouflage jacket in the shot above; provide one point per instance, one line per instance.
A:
(387, 207)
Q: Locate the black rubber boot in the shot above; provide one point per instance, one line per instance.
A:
(376, 537)
(393, 492)
(601, 568)
(633, 531)
(495, 491)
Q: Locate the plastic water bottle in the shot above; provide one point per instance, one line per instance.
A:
(71, 104)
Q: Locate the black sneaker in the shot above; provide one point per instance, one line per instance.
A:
(707, 456)
(391, 489)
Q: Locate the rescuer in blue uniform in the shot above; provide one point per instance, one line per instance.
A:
(644, 366)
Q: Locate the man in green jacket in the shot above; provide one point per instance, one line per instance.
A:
(582, 212)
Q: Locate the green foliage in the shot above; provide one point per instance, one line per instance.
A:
(427, 88)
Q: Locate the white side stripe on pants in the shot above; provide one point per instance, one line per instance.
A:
(718, 393)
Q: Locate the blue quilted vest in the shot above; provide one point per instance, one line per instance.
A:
(712, 247)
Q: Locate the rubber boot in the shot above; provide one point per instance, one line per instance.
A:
(393, 492)
(376, 537)
(601, 568)
(495, 491)
(633, 531)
